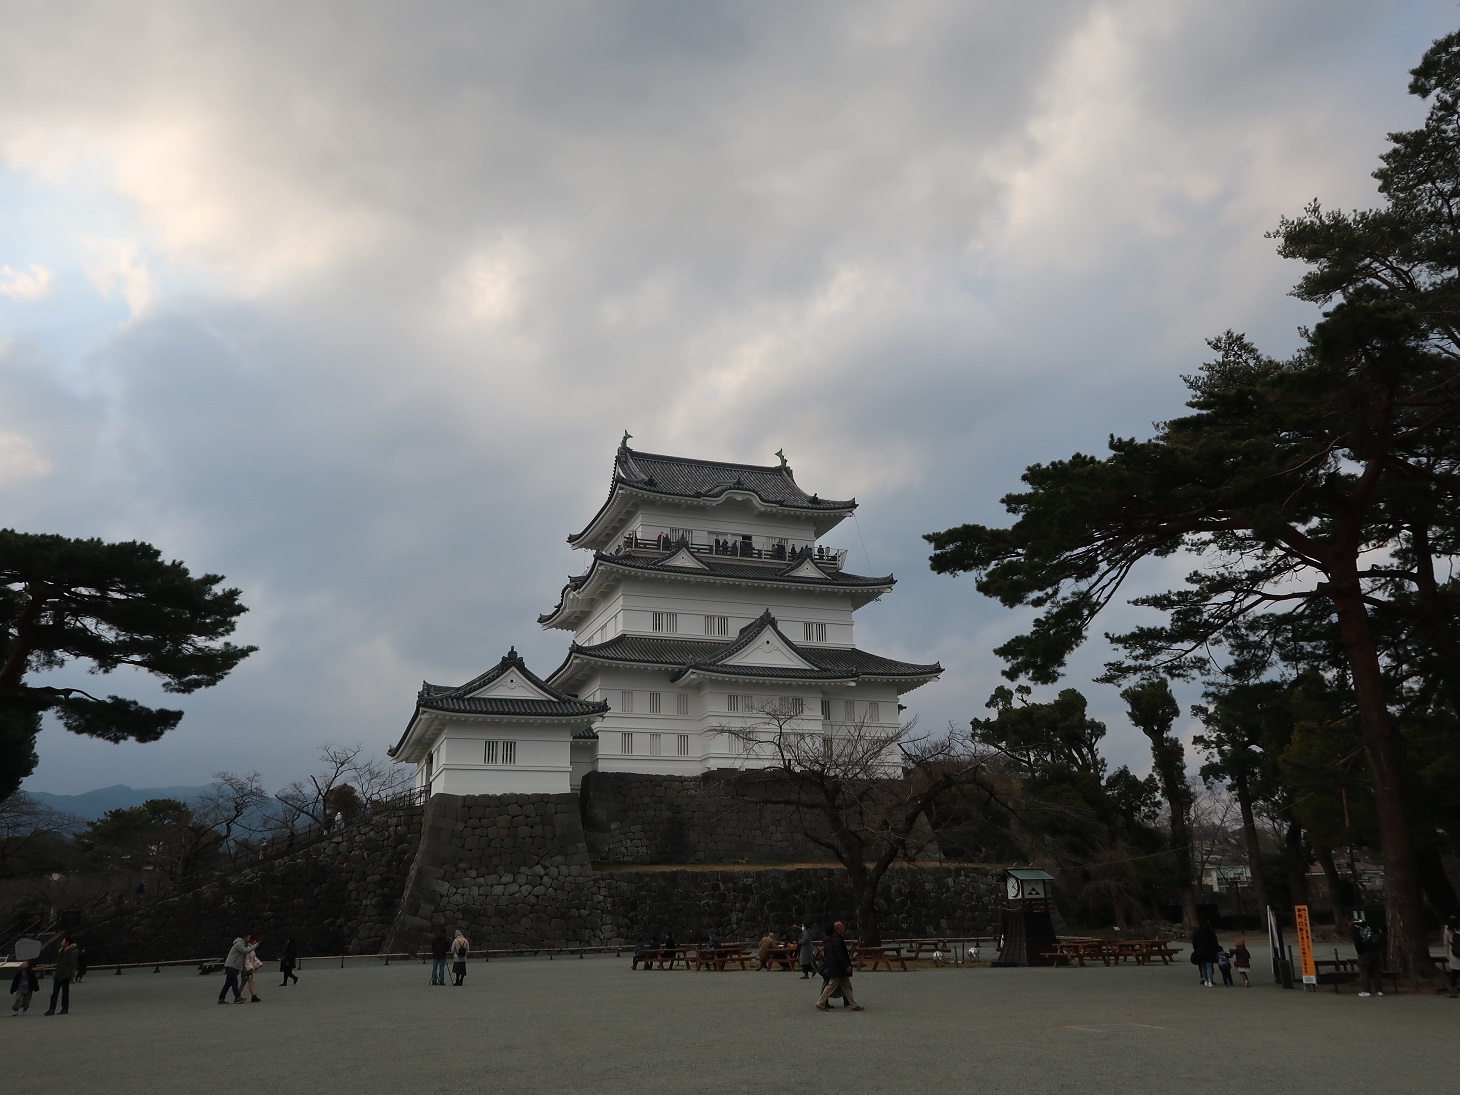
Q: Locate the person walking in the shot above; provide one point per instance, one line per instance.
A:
(838, 962)
(1204, 951)
(440, 951)
(61, 978)
(1224, 967)
(1369, 947)
(1242, 961)
(460, 948)
(1452, 951)
(233, 966)
(806, 951)
(288, 959)
(23, 986)
(252, 963)
(80, 965)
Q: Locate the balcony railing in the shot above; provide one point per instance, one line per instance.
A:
(833, 558)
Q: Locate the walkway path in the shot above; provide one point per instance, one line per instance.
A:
(592, 1026)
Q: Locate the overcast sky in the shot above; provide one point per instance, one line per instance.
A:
(352, 302)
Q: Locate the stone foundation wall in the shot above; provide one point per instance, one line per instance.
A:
(509, 870)
(339, 896)
(516, 871)
(633, 818)
(916, 902)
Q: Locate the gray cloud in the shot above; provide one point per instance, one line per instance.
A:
(386, 283)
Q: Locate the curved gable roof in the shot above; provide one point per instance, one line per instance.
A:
(657, 475)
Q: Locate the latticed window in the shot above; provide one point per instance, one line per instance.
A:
(792, 705)
(849, 710)
(682, 744)
(717, 625)
(732, 703)
(814, 633)
(667, 622)
(656, 702)
(654, 744)
(499, 752)
(681, 703)
(626, 702)
(874, 712)
(678, 534)
(826, 710)
(626, 744)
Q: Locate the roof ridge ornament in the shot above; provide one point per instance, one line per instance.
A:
(782, 455)
(624, 444)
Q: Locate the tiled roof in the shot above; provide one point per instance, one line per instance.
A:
(688, 478)
(717, 567)
(830, 663)
(458, 700)
(682, 477)
(503, 705)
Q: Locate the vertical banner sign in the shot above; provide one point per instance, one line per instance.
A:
(1305, 945)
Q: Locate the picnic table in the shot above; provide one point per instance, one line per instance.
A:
(879, 956)
(665, 956)
(1077, 950)
(784, 954)
(717, 958)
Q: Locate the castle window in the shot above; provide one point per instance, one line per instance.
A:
(874, 713)
(667, 622)
(499, 752)
(717, 625)
(732, 703)
(826, 710)
(681, 703)
(626, 702)
(814, 633)
(849, 710)
(792, 705)
(656, 702)
(654, 744)
(678, 534)
(682, 744)
(626, 744)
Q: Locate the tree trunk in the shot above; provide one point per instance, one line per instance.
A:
(1254, 845)
(869, 932)
(1295, 859)
(1435, 881)
(1335, 884)
(1403, 907)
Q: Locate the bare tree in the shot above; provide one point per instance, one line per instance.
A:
(347, 780)
(234, 808)
(862, 792)
(25, 823)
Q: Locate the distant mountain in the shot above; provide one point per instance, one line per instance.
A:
(91, 805)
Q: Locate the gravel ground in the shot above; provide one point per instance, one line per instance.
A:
(592, 1026)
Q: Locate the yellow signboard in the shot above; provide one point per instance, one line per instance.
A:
(1305, 945)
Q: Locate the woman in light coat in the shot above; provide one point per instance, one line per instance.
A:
(460, 947)
(806, 951)
(1452, 951)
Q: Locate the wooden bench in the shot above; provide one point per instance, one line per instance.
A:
(718, 958)
(878, 956)
(783, 955)
(665, 956)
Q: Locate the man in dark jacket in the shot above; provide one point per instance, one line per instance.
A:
(838, 969)
(440, 949)
(61, 979)
(22, 986)
(1369, 946)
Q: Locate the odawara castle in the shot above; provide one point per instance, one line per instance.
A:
(708, 600)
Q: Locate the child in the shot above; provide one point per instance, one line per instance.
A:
(1224, 963)
(22, 986)
(1242, 959)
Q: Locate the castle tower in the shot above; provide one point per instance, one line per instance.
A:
(708, 597)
